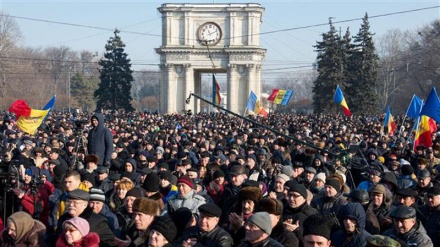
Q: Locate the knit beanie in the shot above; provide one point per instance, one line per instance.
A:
(217, 174)
(181, 217)
(333, 182)
(151, 183)
(301, 189)
(186, 180)
(135, 192)
(288, 170)
(97, 195)
(79, 223)
(262, 220)
(89, 177)
(165, 226)
(407, 170)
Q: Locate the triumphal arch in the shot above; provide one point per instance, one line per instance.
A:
(209, 38)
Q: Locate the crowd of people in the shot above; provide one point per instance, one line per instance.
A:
(212, 179)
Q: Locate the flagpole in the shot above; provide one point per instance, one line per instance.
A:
(406, 114)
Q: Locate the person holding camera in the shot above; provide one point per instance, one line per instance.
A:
(34, 195)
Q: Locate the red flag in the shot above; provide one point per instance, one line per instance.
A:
(273, 95)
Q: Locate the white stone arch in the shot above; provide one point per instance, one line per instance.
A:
(183, 56)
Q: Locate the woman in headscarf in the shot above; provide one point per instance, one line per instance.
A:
(76, 233)
(23, 231)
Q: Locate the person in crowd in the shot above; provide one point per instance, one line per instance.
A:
(248, 198)
(372, 225)
(431, 214)
(278, 187)
(207, 232)
(186, 196)
(381, 205)
(216, 187)
(333, 200)
(258, 229)
(407, 228)
(76, 233)
(125, 212)
(297, 210)
(422, 186)
(162, 232)
(97, 203)
(166, 188)
(100, 140)
(317, 231)
(103, 181)
(353, 227)
(23, 231)
(116, 200)
(77, 206)
(373, 178)
(279, 233)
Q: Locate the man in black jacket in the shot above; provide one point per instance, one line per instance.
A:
(100, 140)
(77, 206)
(207, 232)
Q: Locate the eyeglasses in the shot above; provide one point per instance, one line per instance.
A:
(68, 202)
(294, 195)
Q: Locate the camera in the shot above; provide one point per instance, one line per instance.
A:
(80, 124)
(9, 175)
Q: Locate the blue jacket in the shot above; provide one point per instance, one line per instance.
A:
(100, 141)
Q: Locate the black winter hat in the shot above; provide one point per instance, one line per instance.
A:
(151, 183)
(181, 217)
(165, 226)
(89, 177)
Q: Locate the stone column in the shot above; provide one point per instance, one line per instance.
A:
(233, 90)
(251, 78)
(171, 94)
(189, 86)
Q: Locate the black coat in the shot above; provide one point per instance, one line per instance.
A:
(217, 237)
(284, 236)
(97, 223)
(100, 141)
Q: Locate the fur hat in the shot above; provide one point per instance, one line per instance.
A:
(91, 158)
(146, 206)
(270, 205)
(165, 226)
(317, 224)
(250, 193)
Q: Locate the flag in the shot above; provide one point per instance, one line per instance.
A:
(255, 105)
(414, 107)
(339, 99)
(423, 136)
(216, 98)
(389, 122)
(432, 106)
(280, 96)
(29, 119)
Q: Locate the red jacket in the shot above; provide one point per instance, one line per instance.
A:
(90, 240)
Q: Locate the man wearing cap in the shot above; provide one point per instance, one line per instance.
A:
(125, 212)
(422, 186)
(230, 194)
(278, 187)
(186, 196)
(431, 213)
(297, 210)
(406, 227)
(77, 206)
(373, 178)
(381, 204)
(102, 181)
(257, 231)
(309, 176)
(207, 232)
(97, 203)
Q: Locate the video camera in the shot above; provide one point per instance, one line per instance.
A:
(9, 175)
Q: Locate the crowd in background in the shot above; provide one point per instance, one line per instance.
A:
(143, 179)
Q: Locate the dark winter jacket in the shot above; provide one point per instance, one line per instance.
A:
(90, 240)
(284, 236)
(415, 237)
(299, 214)
(431, 223)
(359, 236)
(327, 205)
(97, 223)
(100, 141)
(217, 237)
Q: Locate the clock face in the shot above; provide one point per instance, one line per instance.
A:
(209, 33)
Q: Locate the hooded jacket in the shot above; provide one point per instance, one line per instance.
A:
(100, 141)
(359, 236)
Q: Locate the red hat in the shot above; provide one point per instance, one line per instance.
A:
(186, 180)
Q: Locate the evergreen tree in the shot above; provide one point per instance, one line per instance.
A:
(362, 72)
(116, 77)
(330, 71)
(82, 89)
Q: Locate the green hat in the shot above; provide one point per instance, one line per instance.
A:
(381, 241)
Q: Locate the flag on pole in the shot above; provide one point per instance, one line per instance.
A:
(432, 106)
(29, 119)
(414, 108)
(389, 122)
(340, 100)
(280, 97)
(216, 98)
(255, 105)
(423, 136)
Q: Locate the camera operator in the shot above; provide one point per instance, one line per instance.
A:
(34, 195)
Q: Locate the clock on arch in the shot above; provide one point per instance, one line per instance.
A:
(209, 33)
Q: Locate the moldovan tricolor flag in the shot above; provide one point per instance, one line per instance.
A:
(255, 105)
(423, 136)
(280, 97)
(340, 100)
(216, 98)
(389, 122)
(29, 119)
